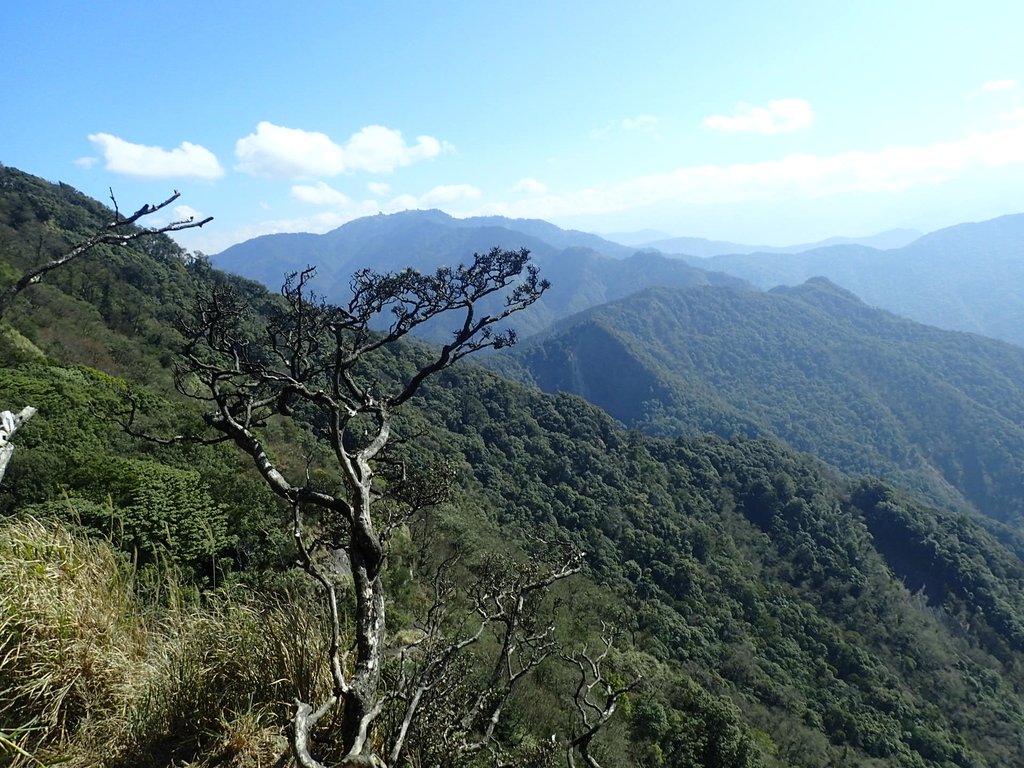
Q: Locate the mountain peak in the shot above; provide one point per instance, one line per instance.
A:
(818, 285)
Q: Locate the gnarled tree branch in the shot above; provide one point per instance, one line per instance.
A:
(317, 355)
(120, 231)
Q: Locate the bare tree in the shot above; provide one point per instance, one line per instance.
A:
(597, 696)
(121, 230)
(506, 600)
(323, 363)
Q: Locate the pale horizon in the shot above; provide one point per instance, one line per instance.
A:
(754, 124)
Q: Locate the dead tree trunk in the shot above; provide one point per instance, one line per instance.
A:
(9, 424)
(320, 355)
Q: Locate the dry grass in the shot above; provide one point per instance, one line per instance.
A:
(70, 634)
(91, 674)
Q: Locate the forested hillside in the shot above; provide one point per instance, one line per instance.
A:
(938, 412)
(778, 613)
(963, 278)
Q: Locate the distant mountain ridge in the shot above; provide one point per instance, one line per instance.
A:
(963, 278)
(407, 222)
(938, 412)
(581, 276)
(698, 246)
(636, 238)
(966, 278)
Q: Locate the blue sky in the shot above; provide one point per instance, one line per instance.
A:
(758, 122)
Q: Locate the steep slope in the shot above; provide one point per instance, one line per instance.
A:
(581, 276)
(754, 587)
(939, 412)
(964, 278)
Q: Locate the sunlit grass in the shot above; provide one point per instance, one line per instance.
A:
(92, 674)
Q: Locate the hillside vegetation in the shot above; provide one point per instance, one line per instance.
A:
(938, 412)
(779, 613)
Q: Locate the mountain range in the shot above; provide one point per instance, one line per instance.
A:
(966, 278)
(780, 612)
(675, 346)
(698, 246)
(584, 270)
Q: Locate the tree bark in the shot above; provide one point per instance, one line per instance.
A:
(9, 424)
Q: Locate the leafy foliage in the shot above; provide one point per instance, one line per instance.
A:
(940, 413)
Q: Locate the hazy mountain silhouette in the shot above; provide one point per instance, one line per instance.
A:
(581, 276)
(698, 246)
(967, 277)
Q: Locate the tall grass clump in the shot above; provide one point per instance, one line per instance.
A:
(102, 667)
(71, 633)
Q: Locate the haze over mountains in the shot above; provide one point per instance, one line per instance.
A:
(584, 270)
(965, 277)
(698, 246)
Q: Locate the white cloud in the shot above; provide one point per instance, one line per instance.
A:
(86, 162)
(186, 212)
(796, 176)
(279, 152)
(380, 150)
(1016, 116)
(780, 116)
(325, 195)
(379, 188)
(644, 123)
(442, 197)
(402, 203)
(187, 160)
(999, 85)
(320, 194)
(530, 186)
(215, 241)
(317, 223)
(450, 193)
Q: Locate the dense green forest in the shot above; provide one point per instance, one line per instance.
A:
(777, 612)
(938, 412)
